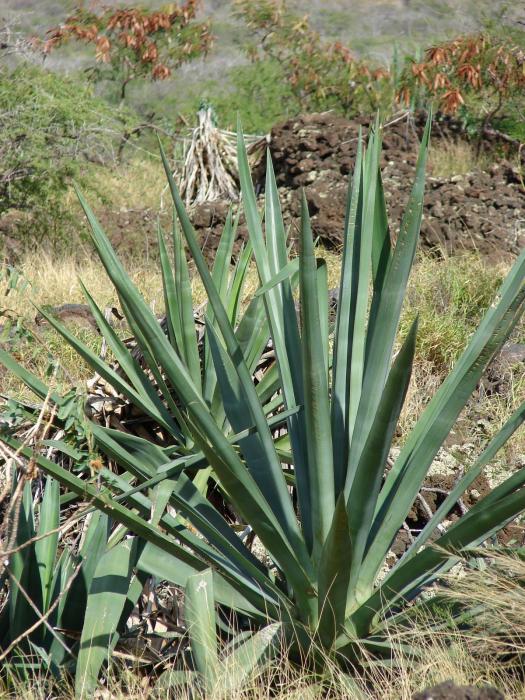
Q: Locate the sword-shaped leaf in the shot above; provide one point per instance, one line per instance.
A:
(270, 257)
(273, 486)
(251, 657)
(316, 400)
(369, 473)
(421, 569)
(334, 575)
(503, 435)
(362, 263)
(199, 614)
(340, 409)
(46, 548)
(387, 308)
(108, 595)
(406, 476)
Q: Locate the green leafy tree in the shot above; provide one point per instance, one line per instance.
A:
(260, 92)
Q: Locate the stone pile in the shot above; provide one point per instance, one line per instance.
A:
(482, 210)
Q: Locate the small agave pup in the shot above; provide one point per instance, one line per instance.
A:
(317, 497)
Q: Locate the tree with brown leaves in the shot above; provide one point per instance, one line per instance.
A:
(321, 74)
(482, 70)
(132, 43)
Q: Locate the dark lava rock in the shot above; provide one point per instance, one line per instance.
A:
(513, 353)
(481, 211)
(449, 691)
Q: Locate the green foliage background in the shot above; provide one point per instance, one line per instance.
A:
(56, 126)
(50, 126)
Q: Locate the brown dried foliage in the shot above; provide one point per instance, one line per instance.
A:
(479, 64)
(320, 73)
(139, 41)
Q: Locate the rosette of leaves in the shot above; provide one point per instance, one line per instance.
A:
(318, 494)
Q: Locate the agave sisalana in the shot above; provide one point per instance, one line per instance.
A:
(318, 496)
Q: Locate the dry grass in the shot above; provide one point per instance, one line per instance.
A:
(465, 658)
(449, 158)
(498, 587)
(53, 282)
(136, 184)
(57, 281)
(449, 295)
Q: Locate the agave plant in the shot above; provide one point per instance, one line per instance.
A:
(317, 493)
(60, 598)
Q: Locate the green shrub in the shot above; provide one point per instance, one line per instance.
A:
(49, 126)
(450, 298)
(260, 93)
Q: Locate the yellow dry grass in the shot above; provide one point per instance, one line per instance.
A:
(55, 281)
(139, 183)
(471, 658)
(448, 158)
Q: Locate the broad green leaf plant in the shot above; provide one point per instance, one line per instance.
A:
(316, 493)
